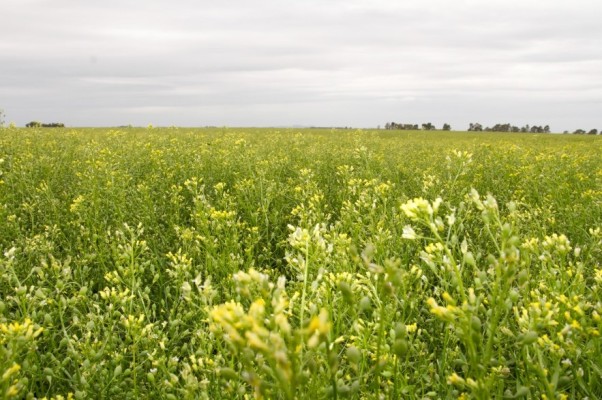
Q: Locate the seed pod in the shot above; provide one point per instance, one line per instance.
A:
(400, 331)
(529, 337)
(354, 355)
(521, 392)
(400, 347)
(365, 304)
(523, 277)
(227, 373)
(469, 259)
(343, 390)
(346, 291)
(475, 323)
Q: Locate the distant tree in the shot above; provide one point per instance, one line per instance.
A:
(579, 132)
(476, 127)
(446, 127)
(2, 117)
(428, 126)
(36, 124)
(500, 128)
(546, 129)
(593, 132)
(400, 126)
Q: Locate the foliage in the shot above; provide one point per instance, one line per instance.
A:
(36, 124)
(226, 263)
(476, 127)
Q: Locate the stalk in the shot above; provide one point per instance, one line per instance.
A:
(381, 334)
(303, 293)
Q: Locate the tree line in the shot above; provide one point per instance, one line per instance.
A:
(36, 124)
(477, 127)
(427, 126)
(583, 132)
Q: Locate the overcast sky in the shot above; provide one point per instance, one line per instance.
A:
(354, 63)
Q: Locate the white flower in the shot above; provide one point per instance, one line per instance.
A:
(408, 233)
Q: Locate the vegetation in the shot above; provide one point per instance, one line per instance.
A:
(182, 264)
(400, 126)
(36, 124)
(583, 132)
(477, 127)
(427, 126)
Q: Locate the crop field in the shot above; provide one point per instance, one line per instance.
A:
(174, 263)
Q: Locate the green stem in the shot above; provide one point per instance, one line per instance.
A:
(453, 263)
(333, 372)
(303, 293)
(381, 334)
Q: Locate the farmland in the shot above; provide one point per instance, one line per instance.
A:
(175, 263)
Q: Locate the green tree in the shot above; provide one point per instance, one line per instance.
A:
(2, 117)
(475, 127)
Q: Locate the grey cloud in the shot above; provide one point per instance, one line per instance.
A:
(282, 62)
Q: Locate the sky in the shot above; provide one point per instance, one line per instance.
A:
(358, 63)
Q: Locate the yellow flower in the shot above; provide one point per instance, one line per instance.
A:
(419, 208)
(318, 328)
(255, 342)
(11, 371)
(455, 379)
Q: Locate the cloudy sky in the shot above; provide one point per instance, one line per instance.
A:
(354, 63)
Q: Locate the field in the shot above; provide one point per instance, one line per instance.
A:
(177, 263)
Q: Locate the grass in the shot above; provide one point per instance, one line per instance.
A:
(247, 263)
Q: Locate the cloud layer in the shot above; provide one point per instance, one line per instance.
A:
(269, 63)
